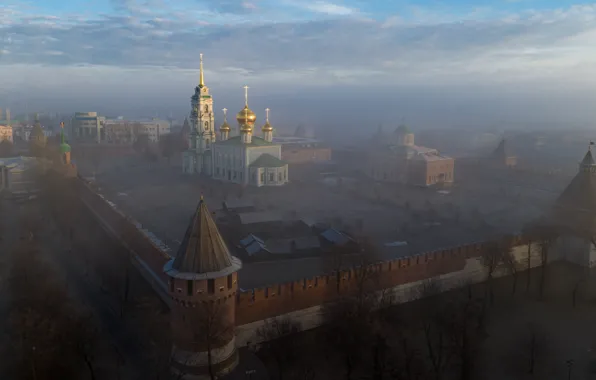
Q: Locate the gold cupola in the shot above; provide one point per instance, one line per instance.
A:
(267, 127)
(246, 116)
(225, 127)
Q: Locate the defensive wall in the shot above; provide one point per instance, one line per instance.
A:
(301, 300)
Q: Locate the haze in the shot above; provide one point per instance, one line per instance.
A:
(522, 63)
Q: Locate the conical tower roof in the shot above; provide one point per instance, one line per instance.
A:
(576, 206)
(203, 253)
(501, 151)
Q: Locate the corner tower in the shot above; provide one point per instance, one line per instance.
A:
(203, 285)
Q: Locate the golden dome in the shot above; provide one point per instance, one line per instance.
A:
(225, 127)
(246, 128)
(246, 116)
(267, 127)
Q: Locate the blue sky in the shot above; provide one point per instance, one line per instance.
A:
(147, 46)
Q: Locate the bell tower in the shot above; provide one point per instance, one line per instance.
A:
(203, 281)
(202, 120)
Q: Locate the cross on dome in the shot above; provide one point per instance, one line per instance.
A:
(267, 114)
(246, 96)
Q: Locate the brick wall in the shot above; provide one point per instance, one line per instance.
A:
(262, 303)
(126, 230)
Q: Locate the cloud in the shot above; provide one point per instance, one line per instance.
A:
(256, 44)
(328, 8)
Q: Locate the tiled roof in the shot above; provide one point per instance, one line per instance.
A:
(266, 160)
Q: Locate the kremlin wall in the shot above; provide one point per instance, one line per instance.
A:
(302, 300)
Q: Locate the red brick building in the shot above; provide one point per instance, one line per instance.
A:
(397, 159)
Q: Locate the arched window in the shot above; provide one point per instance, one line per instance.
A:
(206, 125)
(206, 109)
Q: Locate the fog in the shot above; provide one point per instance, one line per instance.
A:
(353, 109)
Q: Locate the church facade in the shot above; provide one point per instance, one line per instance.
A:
(243, 159)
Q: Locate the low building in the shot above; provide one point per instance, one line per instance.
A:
(6, 133)
(300, 150)
(120, 131)
(88, 126)
(18, 174)
(398, 160)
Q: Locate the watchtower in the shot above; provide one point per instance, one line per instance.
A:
(203, 284)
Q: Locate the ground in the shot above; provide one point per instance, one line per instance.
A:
(162, 199)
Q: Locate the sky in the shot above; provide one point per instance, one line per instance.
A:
(431, 62)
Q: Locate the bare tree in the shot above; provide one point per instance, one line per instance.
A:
(532, 346)
(490, 259)
(211, 320)
(512, 267)
(546, 235)
(432, 322)
(276, 333)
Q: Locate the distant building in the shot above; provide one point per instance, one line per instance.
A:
(6, 133)
(119, 131)
(88, 127)
(300, 150)
(397, 159)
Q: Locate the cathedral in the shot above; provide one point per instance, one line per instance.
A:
(242, 158)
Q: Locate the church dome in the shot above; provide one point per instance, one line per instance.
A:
(267, 127)
(64, 148)
(246, 116)
(403, 130)
(225, 127)
(246, 128)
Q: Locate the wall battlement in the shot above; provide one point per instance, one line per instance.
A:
(261, 303)
(253, 305)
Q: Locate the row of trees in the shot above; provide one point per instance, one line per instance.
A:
(440, 336)
(50, 335)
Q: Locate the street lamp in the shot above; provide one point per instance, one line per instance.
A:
(569, 366)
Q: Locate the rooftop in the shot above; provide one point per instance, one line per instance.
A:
(237, 140)
(266, 160)
(203, 252)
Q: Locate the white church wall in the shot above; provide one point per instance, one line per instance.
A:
(474, 272)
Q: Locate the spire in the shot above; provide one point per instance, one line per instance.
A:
(62, 132)
(202, 79)
(203, 250)
(588, 160)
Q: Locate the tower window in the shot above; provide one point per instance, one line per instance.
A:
(229, 281)
(210, 286)
(189, 287)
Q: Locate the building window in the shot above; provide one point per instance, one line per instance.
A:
(217, 171)
(254, 177)
(263, 177)
(207, 143)
(285, 174)
(189, 287)
(210, 286)
(279, 177)
(271, 177)
(229, 281)
(235, 174)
